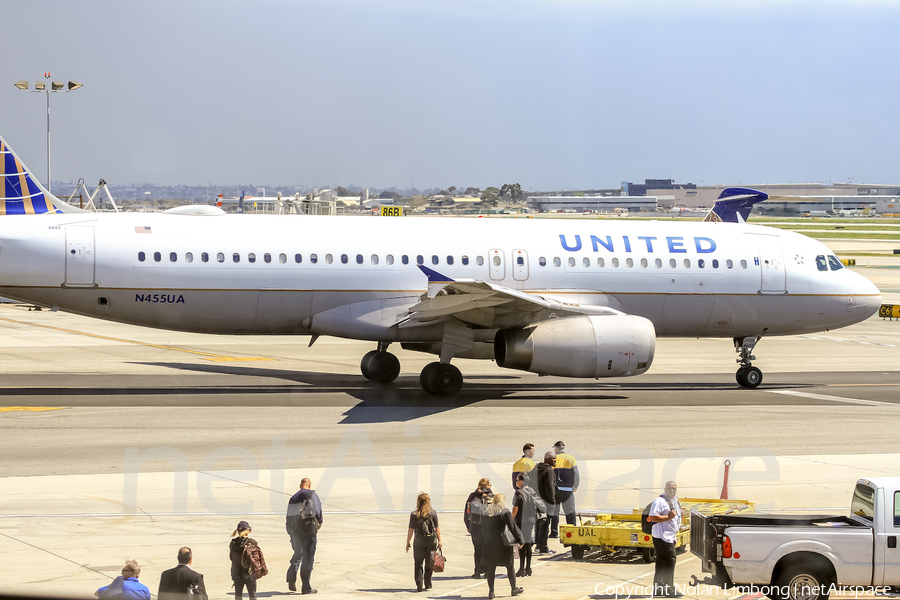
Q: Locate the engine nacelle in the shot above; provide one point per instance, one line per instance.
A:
(588, 346)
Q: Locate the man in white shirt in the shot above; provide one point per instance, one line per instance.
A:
(665, 514)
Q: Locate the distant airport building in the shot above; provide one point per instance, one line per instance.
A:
(580, 204)
(799, 197)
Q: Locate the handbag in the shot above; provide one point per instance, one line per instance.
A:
(438, 560)
(508, 538)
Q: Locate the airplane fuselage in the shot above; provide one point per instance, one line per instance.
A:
(269, 274)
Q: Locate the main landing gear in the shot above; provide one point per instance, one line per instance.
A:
(437, 378)
(747, 375)
(441, 379)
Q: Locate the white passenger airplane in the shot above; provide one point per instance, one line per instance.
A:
(575, 298)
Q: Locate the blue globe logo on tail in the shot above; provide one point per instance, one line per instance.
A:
(20, 192)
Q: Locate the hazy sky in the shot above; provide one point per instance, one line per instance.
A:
(552, 94)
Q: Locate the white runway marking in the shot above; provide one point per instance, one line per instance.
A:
(833, 398)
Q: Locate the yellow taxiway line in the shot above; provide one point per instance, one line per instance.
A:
(4, 409)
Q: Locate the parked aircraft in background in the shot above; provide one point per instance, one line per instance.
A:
(574, 298)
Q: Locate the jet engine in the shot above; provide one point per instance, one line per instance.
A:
(585, 346)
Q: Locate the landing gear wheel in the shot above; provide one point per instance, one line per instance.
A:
(578, 552)
(382, 367)
(443, 380)
(364, 364)
(749, 377)
(649, 554)
(423, 376)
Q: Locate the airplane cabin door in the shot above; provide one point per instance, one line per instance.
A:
(79, 256)
(498, 268)
(520, 265)
(771, 266)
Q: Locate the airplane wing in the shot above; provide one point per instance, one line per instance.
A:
(734, 205)
(482, 304)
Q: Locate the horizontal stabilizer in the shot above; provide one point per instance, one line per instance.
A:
(734, 205)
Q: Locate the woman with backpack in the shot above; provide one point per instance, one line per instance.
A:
(472, 515)
(423, 523)
(241, 573)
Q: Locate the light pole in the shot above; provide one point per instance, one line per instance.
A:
(56, 87)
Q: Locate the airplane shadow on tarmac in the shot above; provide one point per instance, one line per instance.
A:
(404, 400)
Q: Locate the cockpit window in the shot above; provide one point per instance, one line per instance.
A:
(821, 263)
(835, 263)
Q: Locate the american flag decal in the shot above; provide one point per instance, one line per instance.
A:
(144, 229)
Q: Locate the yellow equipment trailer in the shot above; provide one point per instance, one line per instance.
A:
(622, 531)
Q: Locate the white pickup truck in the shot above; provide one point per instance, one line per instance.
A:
(805, 557)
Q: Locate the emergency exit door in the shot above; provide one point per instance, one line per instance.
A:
(79, 256)
(520, 265)
(498, 268)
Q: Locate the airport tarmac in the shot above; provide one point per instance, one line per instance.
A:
(122, 442)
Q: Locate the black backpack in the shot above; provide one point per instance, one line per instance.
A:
(309, 524)
(646, 524)
(427, 528)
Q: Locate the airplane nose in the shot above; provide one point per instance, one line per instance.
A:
(872, 295)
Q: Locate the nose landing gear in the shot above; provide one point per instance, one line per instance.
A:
(747, 375)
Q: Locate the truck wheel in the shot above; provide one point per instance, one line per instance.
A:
(802, 582)
(649, 554)
(681, 549)
(578, 552)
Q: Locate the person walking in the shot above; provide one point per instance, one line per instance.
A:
(521, 506)
(240, 574)
(303, 521)
(665, 514)
(174, 583)
(546, 487)
(423, 523)
(524, 465)
(567, 480)
(496, 548)
(472, 515)
(126, 586)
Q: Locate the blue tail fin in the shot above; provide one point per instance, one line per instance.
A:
(734, 205)
(20, 192)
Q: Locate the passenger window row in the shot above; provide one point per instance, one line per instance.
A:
(312, 258)
(449, 260)
(644, 263)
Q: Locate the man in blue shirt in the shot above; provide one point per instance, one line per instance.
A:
(126, 586)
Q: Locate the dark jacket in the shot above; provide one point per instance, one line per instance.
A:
(173, 584)
(236, 554)
(546, 486)
(493, 551)
(477, 496)
(292, 519)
